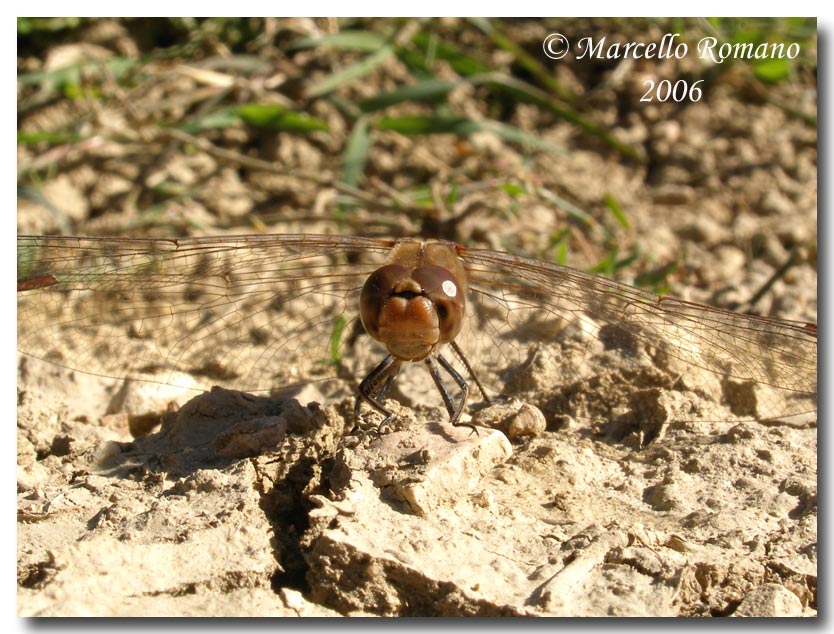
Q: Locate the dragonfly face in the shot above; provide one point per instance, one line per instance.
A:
(412, 310)
(417, 301)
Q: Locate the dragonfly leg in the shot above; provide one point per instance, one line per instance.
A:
(373, 388)
(465, 362)
(454, 412)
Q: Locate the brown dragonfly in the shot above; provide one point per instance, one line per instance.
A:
(260, 312)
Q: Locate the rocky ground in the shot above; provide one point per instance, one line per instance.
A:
(140, 500)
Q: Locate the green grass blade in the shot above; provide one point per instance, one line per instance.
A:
(569, 208)
(523, 91)
(656, 279)
(52, 138)
(356, 151)
(616, 211)
(336, 340)
(414, 125)
(27, 26)
(463, 64)
(772, 71)
(218, 120)
(516, 135)
(429, 90)
(277, 117)
(59, 77)
(349, 73)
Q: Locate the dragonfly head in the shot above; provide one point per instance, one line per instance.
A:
(412, 310)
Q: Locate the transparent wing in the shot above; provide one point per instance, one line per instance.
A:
(250, 312)
(260, 312)
(588, 331)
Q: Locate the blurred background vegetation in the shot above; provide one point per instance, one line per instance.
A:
(454, 128)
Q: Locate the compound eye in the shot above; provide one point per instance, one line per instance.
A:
(377, 290)
(441, 287)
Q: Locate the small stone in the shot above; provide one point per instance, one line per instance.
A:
(455, 467)
(251, 438)
(108, 454)
(675, 542)
(513, 417)
(484, 498)
(771, 599)
(528, 421)
(673, 194)
(292, 599)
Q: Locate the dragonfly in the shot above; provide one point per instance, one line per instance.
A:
(259, 312)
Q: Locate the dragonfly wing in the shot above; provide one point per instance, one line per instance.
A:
(249, 312)
(590, 328)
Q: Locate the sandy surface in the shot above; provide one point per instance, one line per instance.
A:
(136, 499)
